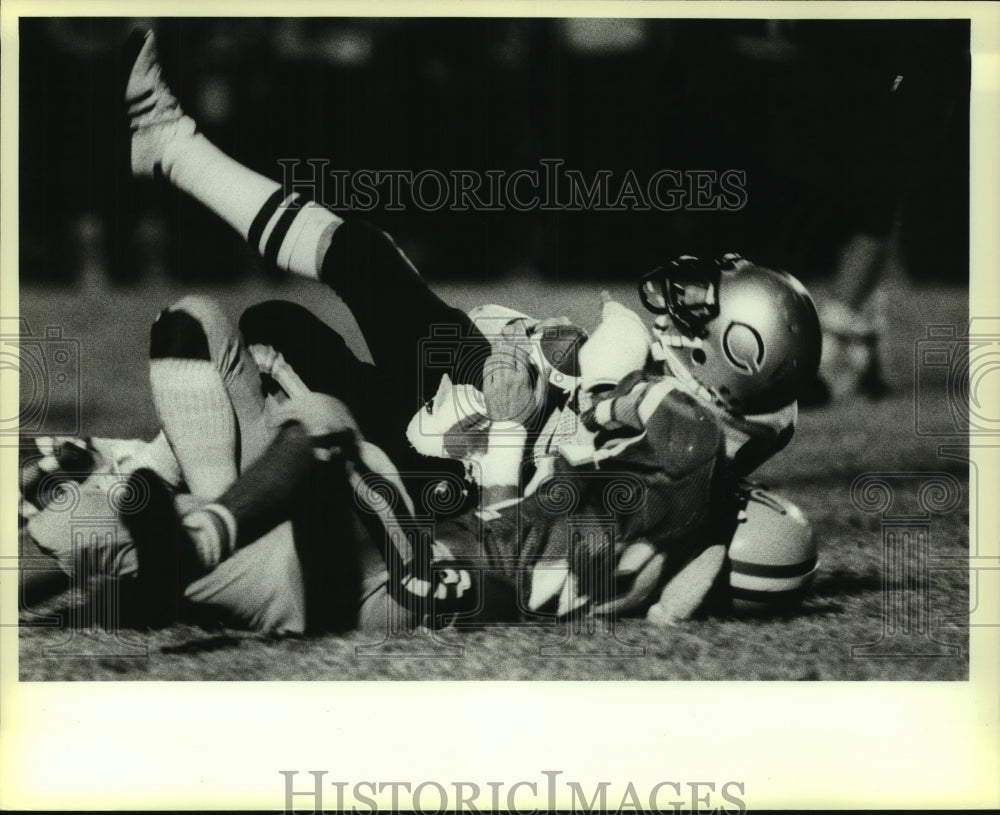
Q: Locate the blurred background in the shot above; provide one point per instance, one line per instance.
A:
(833, 143)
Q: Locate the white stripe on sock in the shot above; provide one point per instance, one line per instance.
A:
(307, 240)
(236, 194)
(273, 221)
(229, 520)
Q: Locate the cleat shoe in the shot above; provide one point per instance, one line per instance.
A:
(166, 556)
(153, 114)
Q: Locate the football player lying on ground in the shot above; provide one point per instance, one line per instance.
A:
(394, 308)
(383, 398)
(746, 362)
(645, 446)
(312, 535)
(733, 344)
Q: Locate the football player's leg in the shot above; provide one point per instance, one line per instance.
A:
(327, 549)
(353, 540)
(164, 140)
(208, 555)
(394, 307)
(260, 588)
(303, 574)
(381, 406)
(206, 390)
(188, 556)
(851, 331)
(413, 335)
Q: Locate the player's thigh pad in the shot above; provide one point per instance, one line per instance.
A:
(260, 587)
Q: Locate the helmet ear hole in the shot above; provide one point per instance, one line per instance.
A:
(698, 356)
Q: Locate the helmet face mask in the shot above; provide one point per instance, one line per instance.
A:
(687, 290)
(748, 334)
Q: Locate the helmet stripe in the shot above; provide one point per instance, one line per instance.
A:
(769, 584)
(784, 570)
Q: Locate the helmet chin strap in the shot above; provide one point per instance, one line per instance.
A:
(663, 351)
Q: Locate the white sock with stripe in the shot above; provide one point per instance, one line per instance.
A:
(294, 234)
(287, 231)
(213, 530)
(197, 417)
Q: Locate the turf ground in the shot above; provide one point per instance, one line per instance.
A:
(832, 447)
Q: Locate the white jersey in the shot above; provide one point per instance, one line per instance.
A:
(749, 440)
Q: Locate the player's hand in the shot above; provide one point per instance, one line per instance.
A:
(271, 363)
(327, 421)
(509, 385)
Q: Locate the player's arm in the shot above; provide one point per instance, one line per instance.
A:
(752, 440)
(654, 427)
(485, 429)
(393, 306)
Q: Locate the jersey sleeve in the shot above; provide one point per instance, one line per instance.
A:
(659, 435)
(597, 530)
(752, 440)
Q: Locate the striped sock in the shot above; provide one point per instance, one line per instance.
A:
(197, 417)
(290, 233)
(213, 530)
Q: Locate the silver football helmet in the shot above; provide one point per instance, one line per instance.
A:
(773, 556)
(748, 334)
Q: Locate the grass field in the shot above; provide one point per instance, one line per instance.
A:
(832, 447)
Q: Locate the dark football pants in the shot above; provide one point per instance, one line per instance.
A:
(414, 338)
